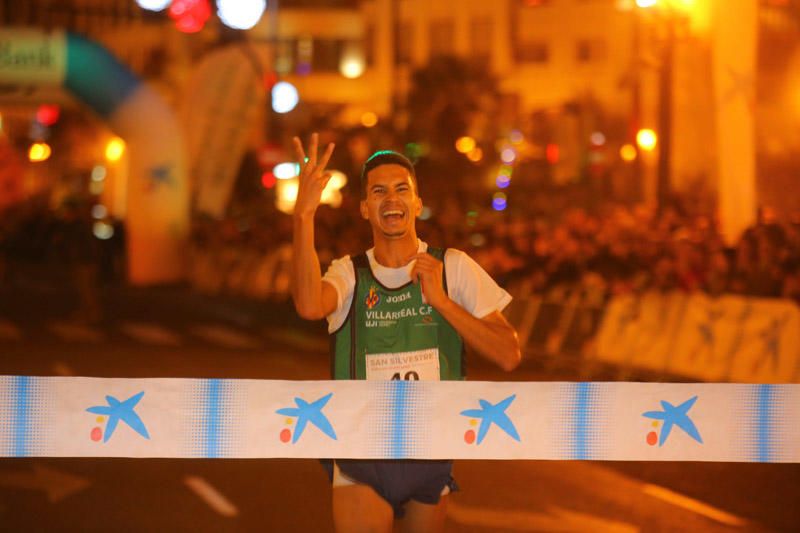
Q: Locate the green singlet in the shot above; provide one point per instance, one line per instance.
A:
(393, 334)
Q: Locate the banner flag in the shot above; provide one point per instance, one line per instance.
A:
(231, 418)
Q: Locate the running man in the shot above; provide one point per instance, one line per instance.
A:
(401, 300)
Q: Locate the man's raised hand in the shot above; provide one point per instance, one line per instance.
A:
(313, 177)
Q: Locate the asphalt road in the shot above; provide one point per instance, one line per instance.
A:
(173, 332)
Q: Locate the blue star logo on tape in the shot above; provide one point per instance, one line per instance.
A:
(493, 414)
(675, 416)
(309, 412)
(116, 411)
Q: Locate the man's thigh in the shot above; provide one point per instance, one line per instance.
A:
(358, 509)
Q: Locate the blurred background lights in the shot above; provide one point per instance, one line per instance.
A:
(190, 15)
(153, 5)
(499, 201)
(506, 170)
(597, 138)
(240, 14)
(47, 114)
(103, 230)
(332, 194)
(552, 153)
(646, 3)
(627, 152)
(352, 62)
(475, 155)
(426, 213)
(465, 144)
(646, 139)
(508, 155)
(477, 240)
(502, 181)
(284, 97)
(268, 180)
(98, 173)
(99, 211)
(39, 152)
(114, 149)
(285, 171)
(515, 136)
(369, 119)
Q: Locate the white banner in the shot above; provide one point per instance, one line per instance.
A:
(98, 417)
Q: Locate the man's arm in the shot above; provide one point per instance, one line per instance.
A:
(491, 337)
(313, 299)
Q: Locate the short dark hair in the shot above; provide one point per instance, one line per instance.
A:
(386, 157)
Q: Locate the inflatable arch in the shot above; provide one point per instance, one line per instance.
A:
(158, 192)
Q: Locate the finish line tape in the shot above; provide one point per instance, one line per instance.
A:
(232, 418)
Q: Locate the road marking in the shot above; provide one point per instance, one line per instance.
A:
(552, 519)
(9, 331)
(693, 505)
(226, 337)
(55, 483)
(214, 498)
(152, 334)
(74, 332)
(62, 369)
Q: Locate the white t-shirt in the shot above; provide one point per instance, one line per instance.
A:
(467, 283)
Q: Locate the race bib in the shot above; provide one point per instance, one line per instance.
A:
(421, 365)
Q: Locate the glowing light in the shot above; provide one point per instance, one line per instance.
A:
(98, 173)
(285, 171)
(153, 5)
(628, 153)
(515, 136)
(284, 97)
(646, 139)
(506, 170)
(240, 14)
(646, 3)
(475, 155)
(190, 15)
(369, 119)
(499, 201)
(552, 153)
(597, 138)
(268, 180)
(352, 63)
(48, 114)
(103, 231)
(465, 144)
(508, 155)
(502, 181)
(96, 187)
(332, 194)
(426, 213)
(99, 211)
(477, 240)
(114, 149)
(286, 195)
(39, 152)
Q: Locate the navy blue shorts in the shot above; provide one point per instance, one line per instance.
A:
(399, 481)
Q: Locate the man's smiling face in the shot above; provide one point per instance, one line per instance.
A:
(391, 204)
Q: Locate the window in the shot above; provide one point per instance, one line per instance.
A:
(441, 37)
(590, 51)
(481, 38)
(532, 52)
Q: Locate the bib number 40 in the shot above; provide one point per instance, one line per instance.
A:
(409, 376)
